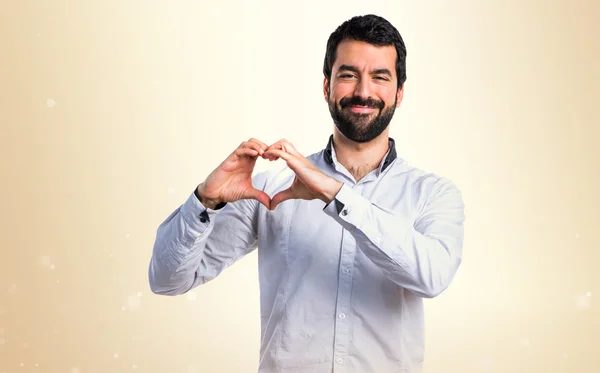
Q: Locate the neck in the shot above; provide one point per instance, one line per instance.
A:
(360, 158)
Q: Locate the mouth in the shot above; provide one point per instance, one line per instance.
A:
(361, 109)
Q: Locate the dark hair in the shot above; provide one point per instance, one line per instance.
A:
(372, 29)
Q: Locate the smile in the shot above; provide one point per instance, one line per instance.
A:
(361, 109)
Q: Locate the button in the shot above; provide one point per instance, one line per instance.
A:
(346, 270)
(342, 316)
(345, 212)
(339, 360)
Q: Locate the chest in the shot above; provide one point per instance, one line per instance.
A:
(300, 233)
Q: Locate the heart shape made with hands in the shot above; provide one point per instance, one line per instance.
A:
(309, 182)
(232, 180)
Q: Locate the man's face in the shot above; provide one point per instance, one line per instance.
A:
(362, 94)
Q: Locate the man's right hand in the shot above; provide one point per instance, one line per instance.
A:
(232, 180)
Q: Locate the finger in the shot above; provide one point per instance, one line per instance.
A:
(269, 157)
(279, 154)
(252, 145)
(284, 195)
(261, 144)
(286, 146)
(260, 196)
(283, 145)
(260, 147)
(241, 152)
(295, 163)
(277, 144)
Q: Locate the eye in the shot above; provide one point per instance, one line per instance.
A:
(384, 78)
(346, 76)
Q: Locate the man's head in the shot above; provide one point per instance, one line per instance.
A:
(365, 70)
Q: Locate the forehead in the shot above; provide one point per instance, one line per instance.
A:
(364, 55)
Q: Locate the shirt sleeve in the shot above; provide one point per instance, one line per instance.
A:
(195, 244)
(421, 255)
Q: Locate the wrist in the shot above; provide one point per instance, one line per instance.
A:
(209, 203)
(332, 189)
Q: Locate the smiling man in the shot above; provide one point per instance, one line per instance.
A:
(350, 239)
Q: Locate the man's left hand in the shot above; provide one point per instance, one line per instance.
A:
(309, 182)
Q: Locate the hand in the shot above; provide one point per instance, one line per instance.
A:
(309, 182)
(232, 180)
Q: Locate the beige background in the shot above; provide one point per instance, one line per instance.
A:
(113, 111)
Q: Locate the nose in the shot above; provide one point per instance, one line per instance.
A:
(363, 88)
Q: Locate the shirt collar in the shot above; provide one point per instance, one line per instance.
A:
(390, 157)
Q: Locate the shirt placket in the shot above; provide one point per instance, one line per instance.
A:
(343, 316)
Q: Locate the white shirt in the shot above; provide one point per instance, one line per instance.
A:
(341, 285)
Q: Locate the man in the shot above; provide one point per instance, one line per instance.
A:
(350, 240)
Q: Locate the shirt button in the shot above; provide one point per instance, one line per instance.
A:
(346, 270)
(342, 315)
(345, 212)
(339, 360)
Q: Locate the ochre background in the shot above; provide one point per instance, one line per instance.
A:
(112, 112)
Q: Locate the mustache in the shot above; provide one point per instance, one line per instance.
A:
(355, 100)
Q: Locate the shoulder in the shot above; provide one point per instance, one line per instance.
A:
(427, 189)
(421, 180)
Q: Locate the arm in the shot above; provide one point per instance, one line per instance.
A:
(422, 257)
(195, 244)
(207, 234)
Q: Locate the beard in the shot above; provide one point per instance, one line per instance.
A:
(360, 127)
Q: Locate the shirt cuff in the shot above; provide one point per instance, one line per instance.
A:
(196, 215)
(348, 207)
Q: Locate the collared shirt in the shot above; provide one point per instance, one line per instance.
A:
(342, 284)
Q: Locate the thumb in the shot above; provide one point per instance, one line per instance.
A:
(258, 195)
(284, 195)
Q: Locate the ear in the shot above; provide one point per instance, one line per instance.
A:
(399, 95)
(326, 89)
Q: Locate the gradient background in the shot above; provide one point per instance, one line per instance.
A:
(113, 111)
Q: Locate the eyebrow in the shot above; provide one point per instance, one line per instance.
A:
(373, 72)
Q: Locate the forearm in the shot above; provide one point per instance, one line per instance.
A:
(413, 261)
(196, 243)
(177, 251)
